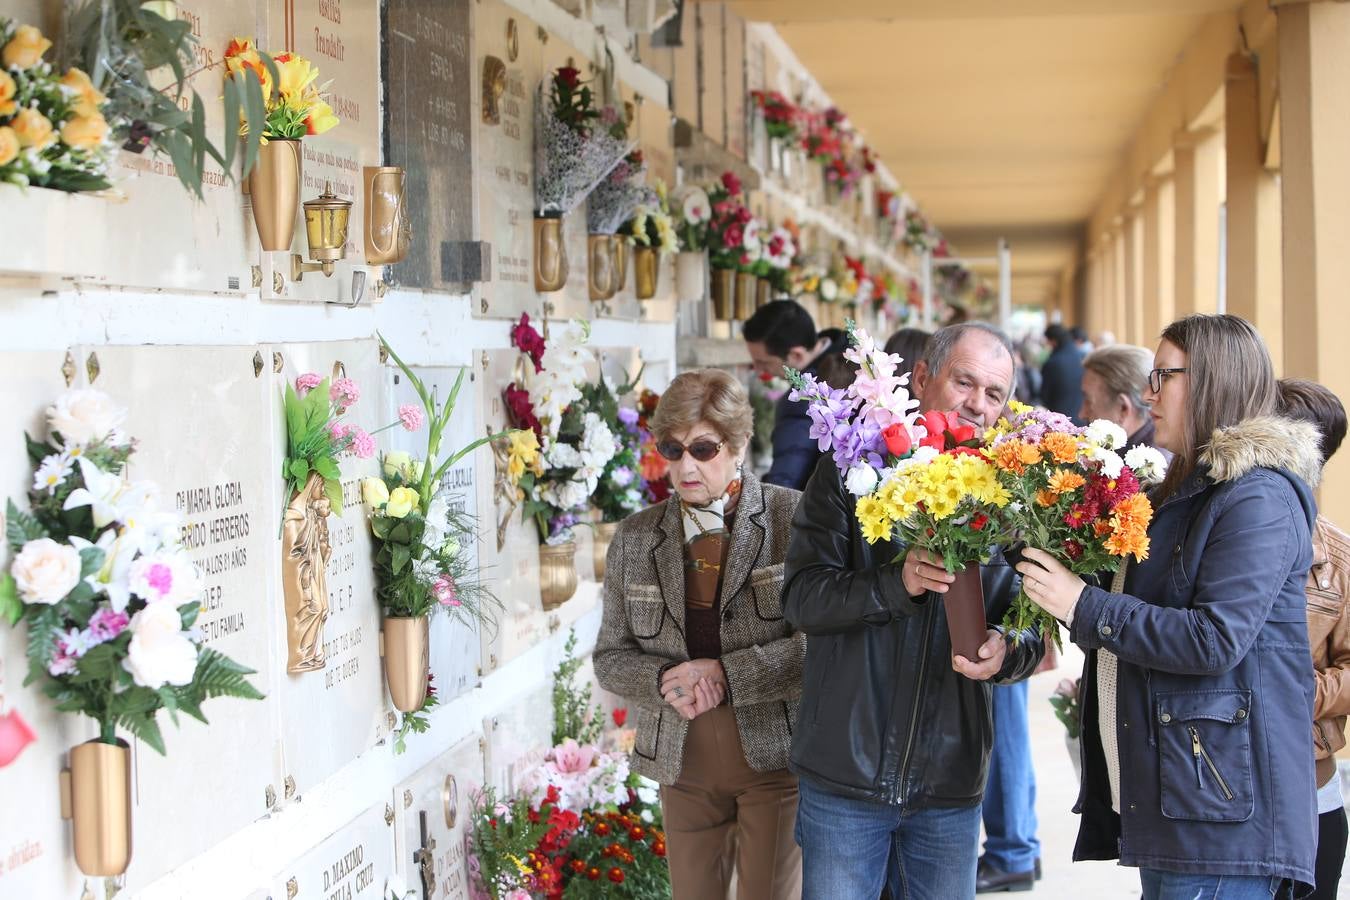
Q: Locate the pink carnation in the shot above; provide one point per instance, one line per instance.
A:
(411, 416)
(337, 431)
(344, 392)
(307, 382)
(445, 592)
(106, 624)
(363, 445)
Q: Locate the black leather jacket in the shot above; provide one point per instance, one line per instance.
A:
(884, 717)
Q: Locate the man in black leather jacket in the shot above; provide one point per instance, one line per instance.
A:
(892, 740)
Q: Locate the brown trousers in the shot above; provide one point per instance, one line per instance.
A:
(721, 811)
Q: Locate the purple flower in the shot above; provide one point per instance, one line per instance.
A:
(832, 410)
(622, 476)
(628, 417)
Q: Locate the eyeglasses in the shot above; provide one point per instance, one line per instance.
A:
(1155, 378)
(699, 450)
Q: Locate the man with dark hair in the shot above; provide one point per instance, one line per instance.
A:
(891, 740)
(1080, 340)
(780, 334)
(1062, 373)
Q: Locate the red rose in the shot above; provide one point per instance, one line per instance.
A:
(731, 182)
(978, 523)
(734, 236)
(960, 433)
(620, 716)
(568, 77)
(519, 408)
(897, 439)
(936, 424)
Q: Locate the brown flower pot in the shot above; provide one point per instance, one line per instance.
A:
(96, 797)
(603, 533)
(747, 284)
(724, 294)
(964, 603)
(557, 573)
(620, 249)
(600, 266)
(763, 292)
(274, 185)
(550, 255)
(407, 659)
(646, 272)
(388, 230)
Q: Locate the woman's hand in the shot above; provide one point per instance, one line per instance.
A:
(695, 687)
(1049, 584)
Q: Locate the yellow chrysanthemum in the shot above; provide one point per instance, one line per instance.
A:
(1016, 407)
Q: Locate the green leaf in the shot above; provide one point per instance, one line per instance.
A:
(91, 560)
(326, 467)
(11, 608)
(145, 729)
(299, 470)
(21, 527)
(189, 612)
(231, 139)
(401, 557)
(332, 489)
(255, 115)
(219, 676)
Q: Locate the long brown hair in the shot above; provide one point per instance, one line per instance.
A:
(1231, 378)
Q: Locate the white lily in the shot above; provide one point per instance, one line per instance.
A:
(101, 491)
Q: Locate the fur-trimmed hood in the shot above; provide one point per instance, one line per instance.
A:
(1270, 442)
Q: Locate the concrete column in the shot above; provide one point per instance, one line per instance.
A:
(1134, 278)
(1158, 259)
(1254, 265)
(1199, 183)
(1315, 180)
(1121, 256)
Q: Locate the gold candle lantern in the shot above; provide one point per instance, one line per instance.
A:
(326, 219)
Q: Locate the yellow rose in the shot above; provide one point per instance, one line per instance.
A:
(320, 118)
(25, 49)
(294, 74)
(33, 129)
(401, 502)
(85, 131)
(396, 461)
(89, 98)
(7, 91)
(374, 492)
(9, 145)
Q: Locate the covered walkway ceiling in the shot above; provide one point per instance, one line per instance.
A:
(998, 116)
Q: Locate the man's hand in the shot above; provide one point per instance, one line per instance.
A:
(992, 652)
(694, 687)
(923, 572)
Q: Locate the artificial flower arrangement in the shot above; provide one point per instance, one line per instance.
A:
(825, 135)
(623, 190)
(574, 150)
(620, 491)
(293, 104)
(780, 114)
(733, 233)
(919, 236)
(316, 434)
(1078, 499)
(52, 130)
(692, 213)
(651, 464)
(775, 261)
(652, 224)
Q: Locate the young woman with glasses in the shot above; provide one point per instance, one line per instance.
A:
(693, 637)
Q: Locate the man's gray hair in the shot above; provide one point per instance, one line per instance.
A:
(1124, 369)
(946, 339)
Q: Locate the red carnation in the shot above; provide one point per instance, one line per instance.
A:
(528, 341)
(519, 408)
(568, 77)
(898, 442)
(731, 182)
(620, 716)
(551, 795)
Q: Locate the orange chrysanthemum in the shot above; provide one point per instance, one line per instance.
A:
(1134, 511)
(1126, 541)
(1015, 455)
(1063, 447)
(1101, 527)
(1062, 481)
(1046, 498)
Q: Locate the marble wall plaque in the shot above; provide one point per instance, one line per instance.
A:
(433, 817)
(330, 716)
(455, 646)
(196, 413)
(35, 850)
(518, 737)
(351, 864)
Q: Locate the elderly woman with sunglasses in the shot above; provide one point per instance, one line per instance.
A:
(694, 638)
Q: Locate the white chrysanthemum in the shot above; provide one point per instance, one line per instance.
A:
(1110, 460)
(1147, 462)
(1106, 434)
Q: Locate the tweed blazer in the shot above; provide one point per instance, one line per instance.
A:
(642, 632)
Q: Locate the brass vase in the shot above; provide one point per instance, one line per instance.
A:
(600, 266)
(724, 294)
(747, 285)
(964, 604)
(602, 534)
(557, 573)
(646, 272)
(388, 230)
(689, 276)
(620, 249)
(407, 659)
(763, 292)
(274, 185)
(550, 255)
(96, 797)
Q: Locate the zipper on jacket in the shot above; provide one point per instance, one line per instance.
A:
(1200, 753)
(918, 694)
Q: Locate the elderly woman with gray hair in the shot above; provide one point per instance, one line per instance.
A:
(693, 636)
(1114, 379)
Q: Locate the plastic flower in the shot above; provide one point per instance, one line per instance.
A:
(45, 571)
(362, 444)
(411, 416)
(307, 382)
(402, 500)
(374, 492)
(100, 492)
(52, 473)
(344, 392)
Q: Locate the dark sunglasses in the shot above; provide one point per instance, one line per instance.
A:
(1155, 378)
(699, 450)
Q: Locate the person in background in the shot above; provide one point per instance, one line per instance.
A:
(1328, 591)
(1062, 373)
(779, 334)
(1028, 389)
(1080, 340)
(836, 371)
(910, 344)
(1104, 339)
(693, 636)
(1114, 380)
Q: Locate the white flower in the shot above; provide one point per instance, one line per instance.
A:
(829, 289)
(1110, 460)
(1147, 462)
(84, 416)
(396, 888)
(52, 473)
(101, 490)
(750, 241)
(77, 642)
(159, 652)
(696, 208)
(113, 577)
(1107, 434)
(45, 571)
(167, 577)
(861, 480)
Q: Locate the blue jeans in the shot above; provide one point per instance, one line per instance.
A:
(1009, 808)
(851, 848)
(1160, 885)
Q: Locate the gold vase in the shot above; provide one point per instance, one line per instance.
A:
(747, 284)
(407, 658)
(620, 250)
(96, 797)
(557, 573)
(388, 230)
(723, 287)
(763, 292)
(603, 533)
(646, 272)
(600, 266)
(274, 185)
(550, 255)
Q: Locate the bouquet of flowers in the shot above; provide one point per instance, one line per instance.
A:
(623, 190)
(775, 261)
(578, 777)
(1077, 498)
(693, 211)
(505, 858)
(571, 154)
(652, 465)
(780, 115)
(316, 434)
(294, 105)
(618, 853)
(652, 224)
(825, 135)
(52, 130)
(1065, 702)
(918, 233)
(620, 491)
(99, 578)
(733, 233)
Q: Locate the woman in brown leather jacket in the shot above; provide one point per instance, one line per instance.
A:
(1328, 635)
